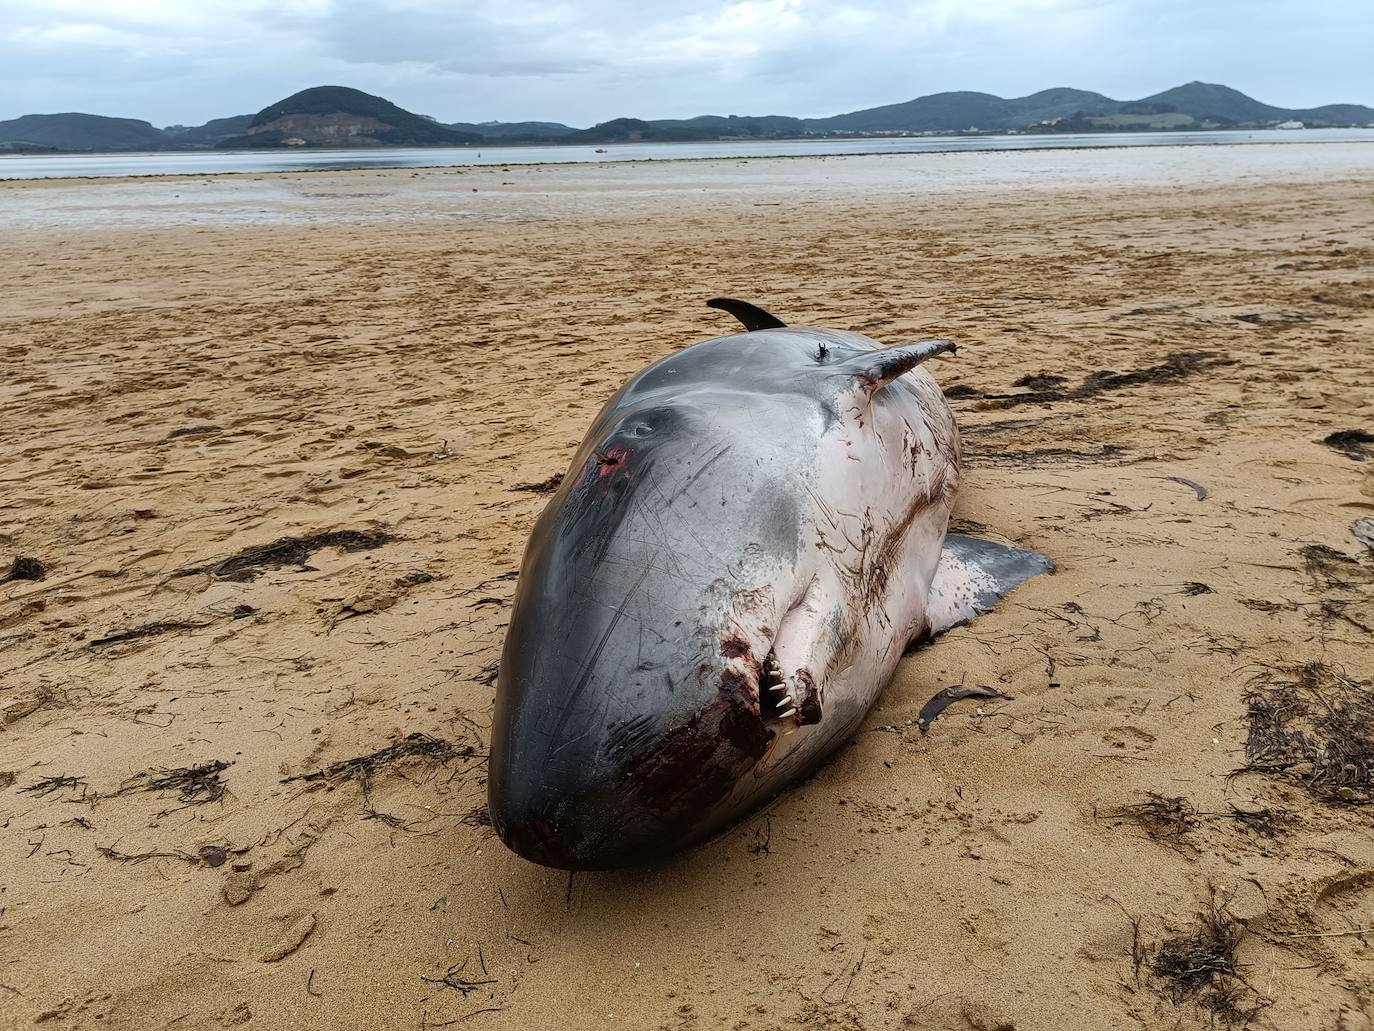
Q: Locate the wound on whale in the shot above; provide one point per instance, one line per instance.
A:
(749, 537)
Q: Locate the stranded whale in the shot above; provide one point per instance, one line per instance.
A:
(751, 534)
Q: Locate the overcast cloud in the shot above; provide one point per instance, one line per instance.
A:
(185, 62)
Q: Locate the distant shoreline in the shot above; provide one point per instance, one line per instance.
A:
(496, 143)
(361, 159)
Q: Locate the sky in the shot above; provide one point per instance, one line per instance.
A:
(586, 61)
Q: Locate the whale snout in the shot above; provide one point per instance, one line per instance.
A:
(572, 827)
(631, 793)
(555, 828)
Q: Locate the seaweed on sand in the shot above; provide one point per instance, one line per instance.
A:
(1331, 568)
(250, 563)
(1314, 726)
(110, 852)
(51, 785)
(145, 630)
(199, 784)
(417, 746)
(196, 784)
(1176, 366)
(1202, 966)
(1162, 818)
(24, 568)
(453, 978)
(1354, 444)
(542, 487)
(478, 817)
(424, 749)
(1170, 820)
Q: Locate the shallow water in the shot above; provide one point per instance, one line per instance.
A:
(218, 161)
(540, 192)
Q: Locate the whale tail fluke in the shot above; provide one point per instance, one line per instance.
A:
(974, 575)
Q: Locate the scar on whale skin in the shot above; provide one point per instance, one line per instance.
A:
(608, 461)
(735, 647)
(809, 710)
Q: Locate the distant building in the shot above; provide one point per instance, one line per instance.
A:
(1290, 124)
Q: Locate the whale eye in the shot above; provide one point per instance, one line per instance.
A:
(641, 429)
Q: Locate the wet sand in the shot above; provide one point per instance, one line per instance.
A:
(180, 390)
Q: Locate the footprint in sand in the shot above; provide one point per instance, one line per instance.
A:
(1129, 737)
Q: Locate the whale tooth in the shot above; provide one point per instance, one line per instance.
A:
(779, 686)
(789, 712)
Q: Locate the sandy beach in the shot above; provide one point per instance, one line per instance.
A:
(244, 786)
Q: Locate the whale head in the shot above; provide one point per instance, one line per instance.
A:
(673, 635)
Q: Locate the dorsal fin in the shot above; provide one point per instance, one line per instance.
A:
(751, 316)
(875, 368)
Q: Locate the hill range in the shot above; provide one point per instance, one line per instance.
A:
(337, 116)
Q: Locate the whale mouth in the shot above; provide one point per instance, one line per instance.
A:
(787, 702)
(778, 701)
(788, 692)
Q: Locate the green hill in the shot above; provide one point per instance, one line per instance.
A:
(636, 130)
(210, 133)
(1061, 102)
(736, 126)
(75, 131)
(1336, 114)
(1194, 105)
(937, 112)
(337, 116)
(944, 112)
(1207, 102)
(513, 130)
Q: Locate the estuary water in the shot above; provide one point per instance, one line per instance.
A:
(210, 162)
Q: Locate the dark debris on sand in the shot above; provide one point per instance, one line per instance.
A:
(24, 568)
(51, 785)
(1170, 819)
(145, 630)
(1202, 966)
(1041, 381)
(1330, 568)
(192, 431)
(943, 699)
(542, 487)
(453, 978)
(416, 746)
(199, 784)
(1166, 818)
(250, 563)
(1314, 726)
(1045, 389)
(1034, 457)
(478, 817)
(1355, 444)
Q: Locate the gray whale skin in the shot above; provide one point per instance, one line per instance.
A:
(749, 537)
